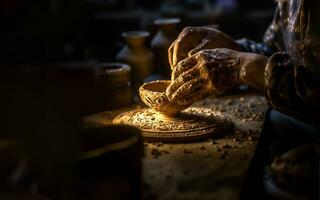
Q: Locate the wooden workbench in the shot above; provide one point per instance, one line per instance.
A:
(211, 169)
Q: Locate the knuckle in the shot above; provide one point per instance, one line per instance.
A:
(181, 78)
(202, 53)
(188, 29)
(169, 93)
(176, 70)
(171, 47)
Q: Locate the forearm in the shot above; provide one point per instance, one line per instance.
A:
(252, 67)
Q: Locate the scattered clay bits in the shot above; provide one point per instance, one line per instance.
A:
(224, 155)
(226, 146)
(159, 144)
(213, 142)
(155, 152)
(250, 138)
(165, 151)
(187, 151)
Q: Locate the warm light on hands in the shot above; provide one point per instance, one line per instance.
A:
(211, 71)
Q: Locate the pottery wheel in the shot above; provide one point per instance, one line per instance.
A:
(190, 125)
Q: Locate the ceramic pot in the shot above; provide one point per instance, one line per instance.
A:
(139, 57)
(161, 42)
(113, 85)
(110, 164)
(153, 94)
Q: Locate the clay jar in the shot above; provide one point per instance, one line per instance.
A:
(153, 94)
(110, 164)
(113, 85)
(161, 42)
(139, 57)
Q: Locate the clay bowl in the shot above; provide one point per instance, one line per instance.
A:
(153, 94)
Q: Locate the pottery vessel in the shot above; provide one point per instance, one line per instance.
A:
(113, 85)
(137, 55)
(161, 42)
(153, 94)
(110, 164)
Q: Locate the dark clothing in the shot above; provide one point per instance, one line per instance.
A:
(281, 134)
(292, 89)
(288, 133)
(292, 74)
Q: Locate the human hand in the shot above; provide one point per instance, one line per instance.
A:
(193, 39)
(211, 71)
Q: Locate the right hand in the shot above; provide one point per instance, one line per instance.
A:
(210, 71)
(194, 39)
(214, 71)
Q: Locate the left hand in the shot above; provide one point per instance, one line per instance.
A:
(211, 71)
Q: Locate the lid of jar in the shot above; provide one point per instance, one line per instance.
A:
(167, 21)
(114, 69)
(135, 34)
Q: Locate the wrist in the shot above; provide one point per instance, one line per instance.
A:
(251, 71)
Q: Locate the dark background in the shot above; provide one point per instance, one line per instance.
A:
(48, 47)
(59, 30)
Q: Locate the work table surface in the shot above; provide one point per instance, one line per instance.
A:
(209, 169)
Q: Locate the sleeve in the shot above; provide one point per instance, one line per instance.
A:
(272, 40)
(292, 89)
(254, 47)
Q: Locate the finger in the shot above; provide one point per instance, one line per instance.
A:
(187, 40)
(182, 79)
(195, 96)
(170, 55)
(189, 88)
(203, 45)
(183, 66)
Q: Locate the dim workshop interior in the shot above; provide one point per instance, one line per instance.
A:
(159, 99)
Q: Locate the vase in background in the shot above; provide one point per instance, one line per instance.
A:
(137, 55)
(161, 42)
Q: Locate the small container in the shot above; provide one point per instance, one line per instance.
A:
(153, 94)
(137, 55)
(113, 86)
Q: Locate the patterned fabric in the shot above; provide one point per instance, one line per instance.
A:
(254, 47)
(292, 75)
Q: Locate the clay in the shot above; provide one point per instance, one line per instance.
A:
(153, 95)
(190, 125)
(208, 72)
